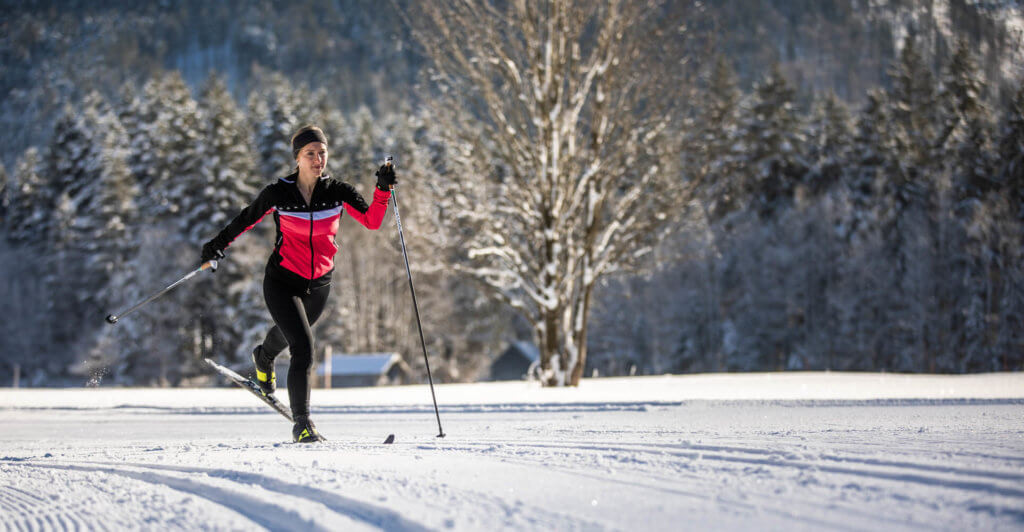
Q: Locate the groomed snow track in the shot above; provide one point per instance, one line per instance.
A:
(652, 462)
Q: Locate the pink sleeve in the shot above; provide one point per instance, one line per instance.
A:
(374, 215)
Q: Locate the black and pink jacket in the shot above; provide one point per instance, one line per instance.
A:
(305, 244)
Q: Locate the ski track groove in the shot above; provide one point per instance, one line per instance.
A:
(719, 499)
(789, 458)
(764, 506)
(236, 502)
(27, 505)
(836, 479)
(54, 521)
(242, 504)
(22, 506)
(749, 507)
(782, 459)
(998, 475)
(368, 513)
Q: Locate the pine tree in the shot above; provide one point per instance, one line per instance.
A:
(830, 136)
(24, 284)
(274, 110)
(94, 213)
(772, 140)
(137, 114)
(961, 261)
(1011, 152)
(229, 304)
(811, 237)
(105, 237)
(904, 208)
(711, 147)
(965, 140)
(177, 149)
(863, 278)
(712, 155)
(227, 176)
(30, 200)
(912, 101)
(5, 197)
(68, 169)
(105, 208)
(1007, 205)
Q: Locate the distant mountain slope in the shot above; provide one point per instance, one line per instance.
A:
(52, 52)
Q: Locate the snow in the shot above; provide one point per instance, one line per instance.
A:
(769, 451)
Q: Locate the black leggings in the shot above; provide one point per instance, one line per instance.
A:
(294, 311)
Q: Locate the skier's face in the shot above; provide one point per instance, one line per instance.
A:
(312, 159)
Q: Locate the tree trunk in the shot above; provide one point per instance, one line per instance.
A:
(558, 340)
(580, 335)
(552, 360)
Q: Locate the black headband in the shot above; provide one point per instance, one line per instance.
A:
(307, 136)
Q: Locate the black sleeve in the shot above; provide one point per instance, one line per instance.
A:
(347, 193)
(246, 219)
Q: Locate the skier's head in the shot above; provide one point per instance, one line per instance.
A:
(309, 147)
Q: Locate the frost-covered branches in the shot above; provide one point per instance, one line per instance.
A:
(558, 115)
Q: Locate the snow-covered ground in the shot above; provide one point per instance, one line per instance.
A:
(749, 452)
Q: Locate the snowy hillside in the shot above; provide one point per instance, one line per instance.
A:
(753, 451)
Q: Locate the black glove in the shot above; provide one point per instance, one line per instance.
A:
(211, 252)
(386, 177)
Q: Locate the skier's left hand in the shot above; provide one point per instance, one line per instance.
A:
(386, 177)
(210, 252)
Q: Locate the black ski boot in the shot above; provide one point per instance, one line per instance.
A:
(305, 432)
(264, 371)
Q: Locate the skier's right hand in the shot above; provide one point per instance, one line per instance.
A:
(386, 177)
(211, 252)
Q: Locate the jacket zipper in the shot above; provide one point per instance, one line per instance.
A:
(312, 261)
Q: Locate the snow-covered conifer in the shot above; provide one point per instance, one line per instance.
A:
(713, 140)
(30, 199)
(137, 113)
(5, 197)
(912, 107)
(275, 114)
(228, 304)
(773, 145)
(829, 141)
(1011, 151)
(176, 144)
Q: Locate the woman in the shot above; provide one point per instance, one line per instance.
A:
(307, 207)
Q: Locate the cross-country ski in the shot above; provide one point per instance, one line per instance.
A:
(253, 387)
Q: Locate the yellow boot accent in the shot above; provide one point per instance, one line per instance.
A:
(262, 376)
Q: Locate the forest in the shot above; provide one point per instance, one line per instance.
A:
(829, 187)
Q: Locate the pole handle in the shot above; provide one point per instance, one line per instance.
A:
(389, 161)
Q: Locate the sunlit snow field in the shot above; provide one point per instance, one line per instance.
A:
(745, 451)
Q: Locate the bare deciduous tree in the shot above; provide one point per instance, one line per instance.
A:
(562, 119)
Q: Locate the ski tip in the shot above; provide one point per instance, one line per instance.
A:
(390, 439)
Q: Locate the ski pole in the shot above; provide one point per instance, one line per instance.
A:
(211, 265)
(415, 306)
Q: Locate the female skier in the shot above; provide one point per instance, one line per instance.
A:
(307, 207)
